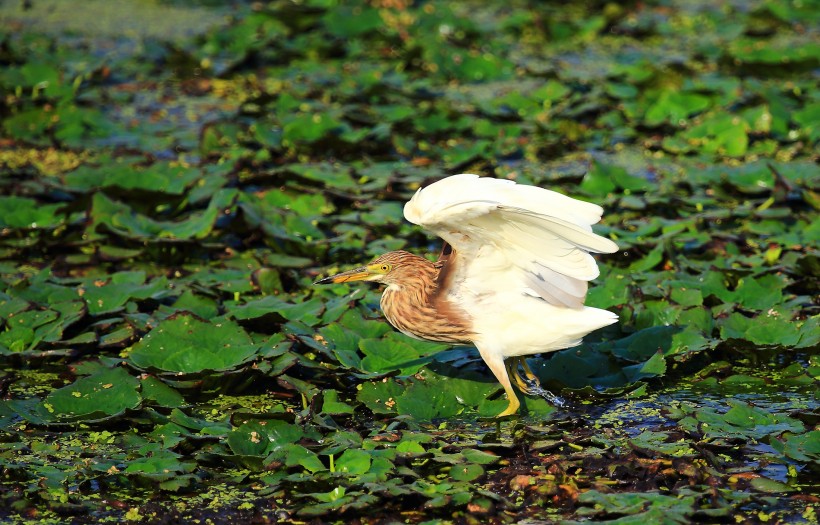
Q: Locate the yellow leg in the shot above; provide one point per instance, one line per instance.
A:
(514, 405)
(528, 371)
(530, 386)
(499, 370)
(511, 365)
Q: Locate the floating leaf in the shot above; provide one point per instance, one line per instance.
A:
(306, 312)
(332, 404)
(259, 438)
(353, 462)
(24, 213)
(155, 390)
(184, 344)
(100, 396)
(675, 107)
(804, 447)
(107, 297)
(122, 220)
(742, 421)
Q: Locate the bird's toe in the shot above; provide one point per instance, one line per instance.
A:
(511, 409)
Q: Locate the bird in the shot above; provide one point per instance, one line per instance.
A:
(511, 278)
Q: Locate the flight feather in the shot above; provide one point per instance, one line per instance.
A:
(534, 239)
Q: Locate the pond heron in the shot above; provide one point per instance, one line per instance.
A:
(511, 278)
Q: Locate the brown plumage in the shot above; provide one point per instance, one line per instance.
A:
(415, 300)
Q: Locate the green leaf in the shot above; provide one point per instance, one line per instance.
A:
(155, 390)
(198, 305)
(353, 462)
(24, 329)
(742, 420)
(311, 127)
(410, 447)
(750, 51)
(388, 354)
(649, 261)
(426, 400)
(107, 297)
(721, 134)
(184, 344)
(350, 22)
(804, 447)
(332, 405)
(466, 472)
(479, 456)
(121, 219)
(690, 339)
(298, 455)
(598, 181)
(158, 177)
(769, 485)
(261, 437)
(306, 312)
(380, 397)
(24, 213)
(656, 366)
(765, 329)
(160, 466)
(675, 107)
(100, 396)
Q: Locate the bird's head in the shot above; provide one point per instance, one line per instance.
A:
(392, 268)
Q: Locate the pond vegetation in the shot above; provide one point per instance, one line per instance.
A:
(169, 192)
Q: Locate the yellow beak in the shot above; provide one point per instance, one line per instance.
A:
(356, 274)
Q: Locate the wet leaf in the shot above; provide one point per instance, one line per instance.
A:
(675, 107)
(155, 390)
(162, 466)
(100, 396)
(24, 213)
(107, 297)
(187, 345)
(332, 404)
(306, 312)
(174, 177)
(741, 420)
(259, 438)
(804, 447)
(353, 462)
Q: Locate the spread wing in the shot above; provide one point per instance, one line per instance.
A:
(523, 238)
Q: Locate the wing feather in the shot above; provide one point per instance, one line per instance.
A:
(528, 237)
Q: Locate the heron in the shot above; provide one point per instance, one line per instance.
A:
(511, 279)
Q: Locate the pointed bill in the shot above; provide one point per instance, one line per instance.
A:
(356, 274)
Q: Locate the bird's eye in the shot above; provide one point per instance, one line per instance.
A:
(385, 267)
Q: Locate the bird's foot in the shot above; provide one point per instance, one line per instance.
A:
(531, 387)
(512, 408)
(550, 397)
(529, 382)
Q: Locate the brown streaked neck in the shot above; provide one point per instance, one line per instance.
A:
(417, 304)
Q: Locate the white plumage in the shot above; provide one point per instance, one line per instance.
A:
(523, 263)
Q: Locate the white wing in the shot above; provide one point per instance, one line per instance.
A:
(523, 238)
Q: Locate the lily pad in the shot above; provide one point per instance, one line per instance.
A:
(259, 438)
(107, 297)
(184, 344)
(174, 177)
(21, 212)
(742, 420)
(101, 396)
(804, 447)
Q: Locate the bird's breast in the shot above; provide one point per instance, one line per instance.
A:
(430, 319)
